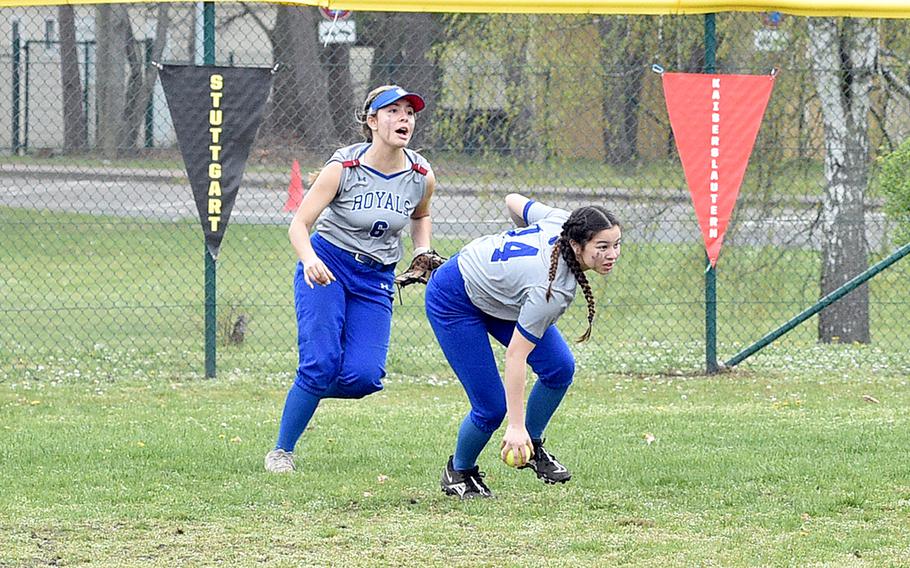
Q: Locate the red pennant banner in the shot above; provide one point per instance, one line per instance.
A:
(715, 119)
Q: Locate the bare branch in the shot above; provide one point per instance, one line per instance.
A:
(894, 81)
(270, 32)
(880, 120)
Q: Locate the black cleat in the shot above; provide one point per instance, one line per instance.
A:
(546, 466)
(466, 483)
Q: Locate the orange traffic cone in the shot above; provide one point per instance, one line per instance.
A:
(295, 189)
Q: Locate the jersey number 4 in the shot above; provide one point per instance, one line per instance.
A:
(511, 249)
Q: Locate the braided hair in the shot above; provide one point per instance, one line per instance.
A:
(362, 113)
(580, 227)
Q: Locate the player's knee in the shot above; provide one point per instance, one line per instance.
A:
(561, 376)
(357, 389)
(316, 375)
(309, 385)
(359, 381)
(489, 418)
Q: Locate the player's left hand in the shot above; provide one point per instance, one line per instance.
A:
(422, 266)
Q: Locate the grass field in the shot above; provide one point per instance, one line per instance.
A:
(73, 283)
(802, 467)
(115, 452)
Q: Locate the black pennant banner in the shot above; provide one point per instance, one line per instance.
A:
(216, 112)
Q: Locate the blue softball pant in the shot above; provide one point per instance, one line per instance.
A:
(343, 329)
(462, 331)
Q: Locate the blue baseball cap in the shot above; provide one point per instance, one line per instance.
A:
(396, 93)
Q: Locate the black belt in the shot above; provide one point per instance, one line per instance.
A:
(367, 260)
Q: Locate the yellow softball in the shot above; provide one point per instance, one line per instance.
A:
(512, 460)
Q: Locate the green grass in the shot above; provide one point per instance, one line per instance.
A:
(114, 452)
(80, 283)
(757, 468)
(804, 178)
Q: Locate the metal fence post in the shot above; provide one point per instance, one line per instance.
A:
(85, 88)
(150, 104)
(28, 65)
(710, 271)
(823, 303)
(208, 55)
(15, 118)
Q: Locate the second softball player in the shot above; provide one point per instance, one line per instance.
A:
(363, 198)
(514, 286)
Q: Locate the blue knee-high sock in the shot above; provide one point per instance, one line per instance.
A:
(542, 403)
(471, 441)
(298, 410)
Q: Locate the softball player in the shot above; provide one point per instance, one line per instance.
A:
(363, 198)
(514, 286)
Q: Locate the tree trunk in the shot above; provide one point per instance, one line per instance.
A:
(133, 109)
(299, 110)
(110, 76)
(520, 139)
(191, 37)
(418, 73)
(622, 83)
(843, 62)
(337, 60)
(283, 120)
(74, 127)
(142, 77)
(527, 139)
(387, 51)
(312, 81)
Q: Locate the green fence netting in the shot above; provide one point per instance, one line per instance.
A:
(101, 253)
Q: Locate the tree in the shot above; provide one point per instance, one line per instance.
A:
(623, 61)
(142, 77)
(402, 45)
(843, 63)
(111, 22)
(895, 182)
(300, 94)
(285, 101)
(387, 37)
(312, 81)
(336, 59)
(74, 127)
(492, 75)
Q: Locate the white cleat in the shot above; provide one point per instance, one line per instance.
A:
(279, 461)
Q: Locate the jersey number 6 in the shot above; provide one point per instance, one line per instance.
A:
(379, 228)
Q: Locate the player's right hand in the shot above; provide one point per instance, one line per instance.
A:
(315, 271)
(516, 439)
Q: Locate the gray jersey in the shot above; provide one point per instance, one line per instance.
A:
(371, 208)
(507, 275)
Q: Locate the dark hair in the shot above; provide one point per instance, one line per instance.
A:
(364, 111)
(580, 227)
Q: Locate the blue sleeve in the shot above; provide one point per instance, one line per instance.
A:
(537, 313)
(527, 334)
(524, 213)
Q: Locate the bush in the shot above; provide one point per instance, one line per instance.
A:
(895, 184)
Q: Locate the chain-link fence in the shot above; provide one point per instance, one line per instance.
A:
(102, 253)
